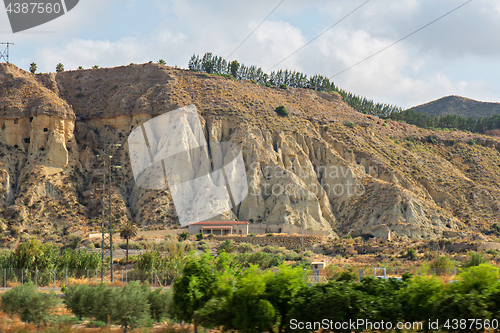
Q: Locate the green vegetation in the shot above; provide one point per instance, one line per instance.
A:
(130, 306)
(183, 236)
(33, 68)
(411, 254)
(214, 292)
(162, 62)
(349, 124)
(210, 63)
(475, 125)
(34, 255)
(281, 111)
(59, 68)
(31, 305)
(127, 231)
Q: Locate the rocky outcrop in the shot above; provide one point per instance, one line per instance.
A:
(369, 178)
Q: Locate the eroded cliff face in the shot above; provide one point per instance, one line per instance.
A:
(310, 169)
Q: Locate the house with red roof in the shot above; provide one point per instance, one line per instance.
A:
(221, 228)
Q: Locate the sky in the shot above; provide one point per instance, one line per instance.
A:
(457, 55)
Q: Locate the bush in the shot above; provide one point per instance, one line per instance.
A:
(443, 264)
(349, 124)
(307, 254)
(474, 259)
(244, 247)
(183, 236)
(199, 236)
(203, 245)
(27, 302)
(283, 86)
(281, 111)
(79, 299)
(127, 306)
(270, 249)
(430, 139)
(347, 275)
(411, 254)
(131, 307)
(160, 302)
(226, 246)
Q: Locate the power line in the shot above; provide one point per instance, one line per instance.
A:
(414, 32)
(255, 29)
(312, 40)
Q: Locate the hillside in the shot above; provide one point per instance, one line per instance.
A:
(457, 105)
(349, 173)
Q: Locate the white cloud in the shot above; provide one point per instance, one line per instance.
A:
(428, 65)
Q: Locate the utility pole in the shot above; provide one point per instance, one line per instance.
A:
(110, 221)
(111, 209)
(102, 226)
(5, 53)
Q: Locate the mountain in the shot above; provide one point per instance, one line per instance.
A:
(325, 166)
(457, 105)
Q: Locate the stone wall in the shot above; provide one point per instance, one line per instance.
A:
(289, 242)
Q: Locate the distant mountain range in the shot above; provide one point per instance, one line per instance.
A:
(458, 105)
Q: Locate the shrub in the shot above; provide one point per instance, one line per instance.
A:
(307, 254)
(411, 254)
(80, 95)
(283, 86)
(199, 236)
(347, 275)
(59, 68)
(160, 302)
(226, 246)
(349, 124)
(27, 302)
(131, 307)
(281, 111)
(472, 142)
(77, 299)
(474, 259)
(244, 247)
(95, 67)
(162, 62)
(430, 139)
(292, 256)
(443, 264)
(183, 236)
(203, 245)
(270, 249)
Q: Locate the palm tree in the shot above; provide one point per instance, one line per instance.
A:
(60, 68)
(33, 68)
(127, 231)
